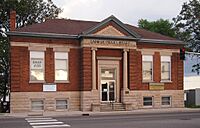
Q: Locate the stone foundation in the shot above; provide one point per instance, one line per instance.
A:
(21, 101)
(90, 100)
(136, 98)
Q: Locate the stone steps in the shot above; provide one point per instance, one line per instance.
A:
(112, 107)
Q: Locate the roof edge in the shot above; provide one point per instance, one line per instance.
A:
(156, 41)
(67, 36)
(43, 35)
(109, 37)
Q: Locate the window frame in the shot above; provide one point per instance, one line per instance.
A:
(148, 106)
(170, 101)
(66, 105)
(67, 64)
(30, 68)
(168, 60)
(36, 100)
(147, 58)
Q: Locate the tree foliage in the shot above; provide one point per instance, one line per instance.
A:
(164, 27)
(4, 67)
(187, 25)
(28, 12)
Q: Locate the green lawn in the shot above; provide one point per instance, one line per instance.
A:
(193, 106)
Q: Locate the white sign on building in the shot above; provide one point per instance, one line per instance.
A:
(37, 64)
(49, 87)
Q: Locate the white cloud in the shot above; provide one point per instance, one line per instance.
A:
(128, 11)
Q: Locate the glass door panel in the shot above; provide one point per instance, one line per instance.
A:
(111, 91)
(104, 92)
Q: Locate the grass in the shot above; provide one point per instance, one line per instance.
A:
(193, 106)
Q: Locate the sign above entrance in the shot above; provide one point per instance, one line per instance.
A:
(107, 74)
(105, 43)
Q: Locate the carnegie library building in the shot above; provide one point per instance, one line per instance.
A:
(74, 65)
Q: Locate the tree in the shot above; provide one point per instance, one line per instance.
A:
(164, 27)
(28, 12)
(4, 67)
(187, 26)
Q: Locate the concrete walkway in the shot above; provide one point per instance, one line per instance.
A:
(80, 113)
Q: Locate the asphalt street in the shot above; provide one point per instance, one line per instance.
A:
(166, 120)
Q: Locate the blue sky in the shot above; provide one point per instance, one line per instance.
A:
(128, 11)
(191, 79)
(188, 63)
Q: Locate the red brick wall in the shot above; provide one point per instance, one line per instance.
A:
(72, 42)
(86, 69)
(80, 66)
(135, 69)
(15, 69)
(156, 67)
(109, 52)
(20, 70)
(160, 46)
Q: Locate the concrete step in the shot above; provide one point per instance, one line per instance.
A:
(112, 107)
(35, 114)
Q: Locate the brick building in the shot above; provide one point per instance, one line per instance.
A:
(72, 65)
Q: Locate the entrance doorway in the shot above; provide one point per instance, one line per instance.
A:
(108, 90)
(109, 80)
(108, 84)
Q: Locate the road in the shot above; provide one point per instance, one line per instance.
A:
(167, 120)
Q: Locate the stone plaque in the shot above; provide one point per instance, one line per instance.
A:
(156, 86)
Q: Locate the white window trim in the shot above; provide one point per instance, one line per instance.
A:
(166, 59)
(147, 58)
(36, 81)
(170, 101)
(61, 81)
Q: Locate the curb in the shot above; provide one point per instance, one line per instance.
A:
(113, 113)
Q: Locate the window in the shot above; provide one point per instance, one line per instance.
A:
(166, 100)
(147, 68)
(36, 66)
(61, 66)
(61, 104)
(147, 101)
(37, 105)
(165, 68)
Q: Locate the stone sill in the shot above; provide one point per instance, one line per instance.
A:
(146, 82)
(167, 81)
(39, 81)
(62, 81)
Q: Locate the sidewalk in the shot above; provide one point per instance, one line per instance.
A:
(80, 113)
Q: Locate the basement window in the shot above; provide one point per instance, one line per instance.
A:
(61, 104)
(166, 100)
(37, 105)
(147, 101)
